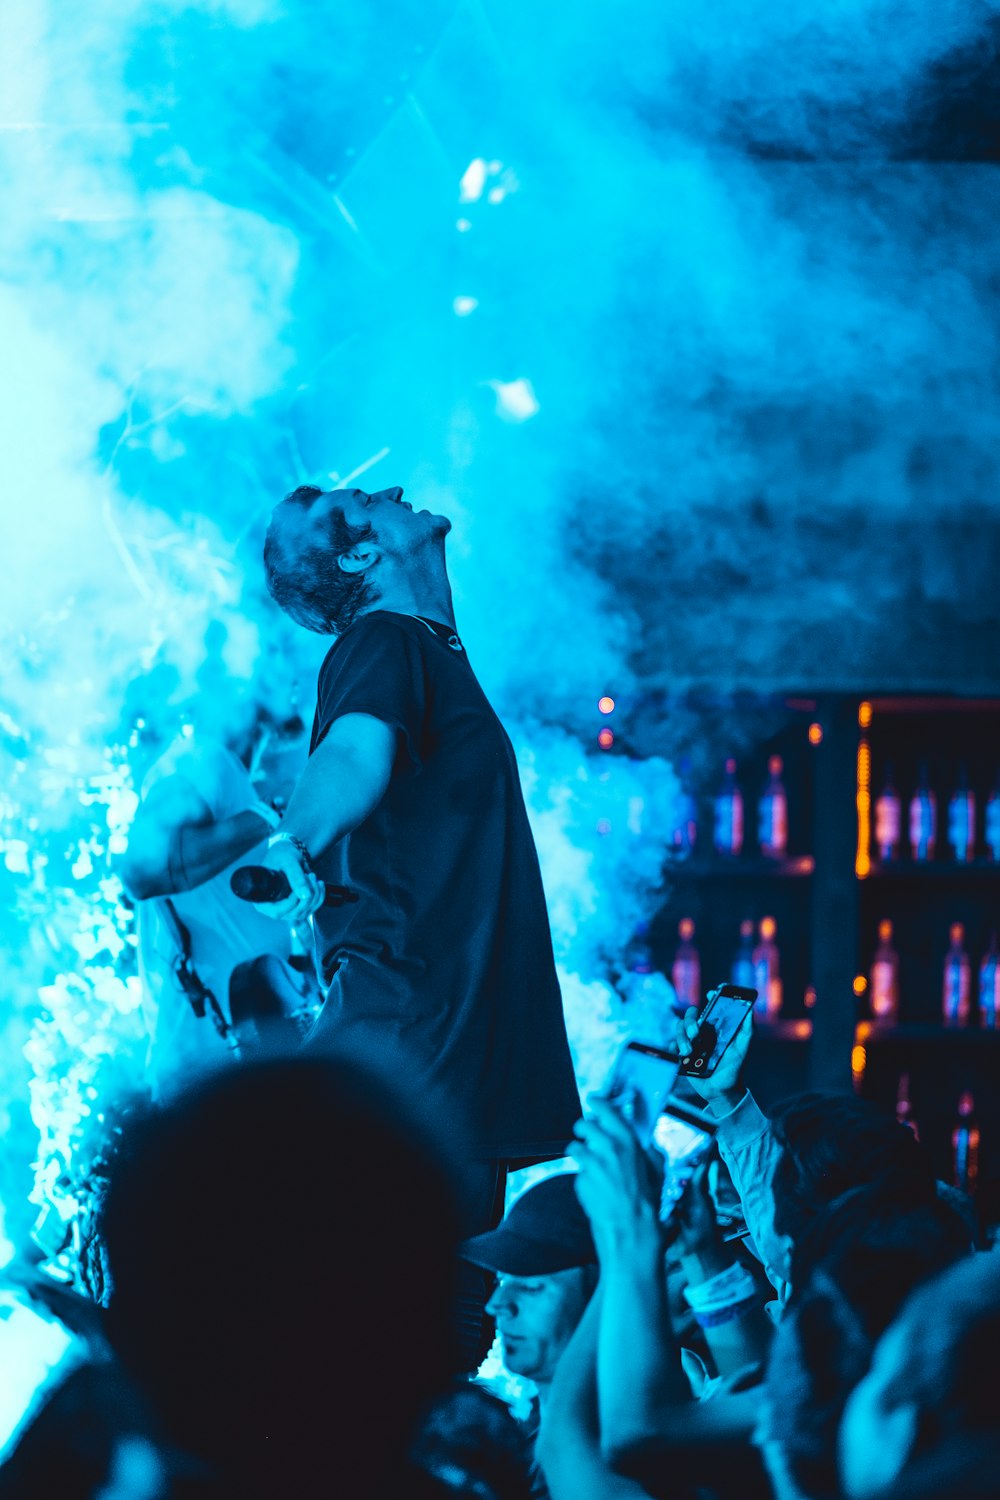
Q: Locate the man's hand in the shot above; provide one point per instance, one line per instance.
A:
(722, 1089)
(307, 890)
(619, 1184)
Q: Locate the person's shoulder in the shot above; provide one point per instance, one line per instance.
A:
(380, 628)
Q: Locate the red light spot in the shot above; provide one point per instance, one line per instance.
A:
(606, 705)
(606, 739)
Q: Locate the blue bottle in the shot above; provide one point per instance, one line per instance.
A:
(923, 820)
(743, 972)
(989, 987)
(729, 813)
(962, 820)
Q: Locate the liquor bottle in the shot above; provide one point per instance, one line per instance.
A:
(904, 1109)
(772, 813)
(640, 950)
(965, 1146)
(888, 820)
(729, 813)
(957, 978)
(885, 976)
(993, 822)
(686, 969)
(685, 830)
(767, 972)
(962, 819)
(923, 819)
(743, 972)
(989, 987)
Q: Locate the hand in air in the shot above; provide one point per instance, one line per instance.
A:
(307, 890)
(693, 1221)
(726, 1078)
(619, 1183)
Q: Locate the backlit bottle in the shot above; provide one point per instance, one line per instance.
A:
(993, 822)
(772, 813)
(989, 987)
(965, 1146)
(767, 972)
(743, 972)
(685, 830)
(957, 979)
(729, 813)
(904, 1109)
(685, 972)
(885, 976)
(888, 820)
(962, 819)
(923, 820)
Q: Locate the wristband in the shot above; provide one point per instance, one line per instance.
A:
(731, 1285)
(305, 858)
(717, 1316)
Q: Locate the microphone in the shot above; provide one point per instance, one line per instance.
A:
(258, 883)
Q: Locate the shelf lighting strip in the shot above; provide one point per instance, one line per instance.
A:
(863, 857)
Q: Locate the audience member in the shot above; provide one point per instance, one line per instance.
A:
(546, 1261)
(264, 1235)
(924, 1420)
(851, 1273)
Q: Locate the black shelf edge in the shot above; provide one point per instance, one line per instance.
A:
(799, 867)
(935, 870)
(923, 1031)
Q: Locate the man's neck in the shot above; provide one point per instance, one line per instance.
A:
(426, 593)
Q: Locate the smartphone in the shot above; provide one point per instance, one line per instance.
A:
(720, 1018)
(685, 1136)
(640, 1084)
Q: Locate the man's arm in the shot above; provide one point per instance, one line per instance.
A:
(746, 1141)
(175, 844)
(639, 1371)
(343, 782)
(568, 1449)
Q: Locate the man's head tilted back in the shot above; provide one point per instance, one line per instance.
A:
(327, 552)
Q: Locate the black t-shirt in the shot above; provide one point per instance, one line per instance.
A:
(447, 954)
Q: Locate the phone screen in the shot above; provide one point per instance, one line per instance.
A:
(684, 1141)
(724, 1014)
(640, 1083)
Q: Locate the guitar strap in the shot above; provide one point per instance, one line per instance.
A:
(198, 993)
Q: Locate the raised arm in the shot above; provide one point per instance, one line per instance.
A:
(569, 1442)
(747, 1144)
(639, 1370)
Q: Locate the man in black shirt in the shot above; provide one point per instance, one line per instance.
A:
(411, 796)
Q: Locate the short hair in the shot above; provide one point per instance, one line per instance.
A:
(256, 1229)
(832, 1143)
(310, 586)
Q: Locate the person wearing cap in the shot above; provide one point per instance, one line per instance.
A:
(546, 1261)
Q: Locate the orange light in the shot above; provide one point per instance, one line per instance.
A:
(863, 1031)
(810, 997)
(606, 705)
(859, 1060)
(815, 734)
(863, 857)
(864, 715)
(606, 739)
(860, 984)
(768, 927)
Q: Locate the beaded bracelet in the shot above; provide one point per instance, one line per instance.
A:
(298, 846)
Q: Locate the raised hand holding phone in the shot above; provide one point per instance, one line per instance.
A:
(719, 1086)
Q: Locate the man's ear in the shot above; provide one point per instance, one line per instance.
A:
(358, 560)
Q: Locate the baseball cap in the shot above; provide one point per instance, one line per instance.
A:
(544, 1231)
